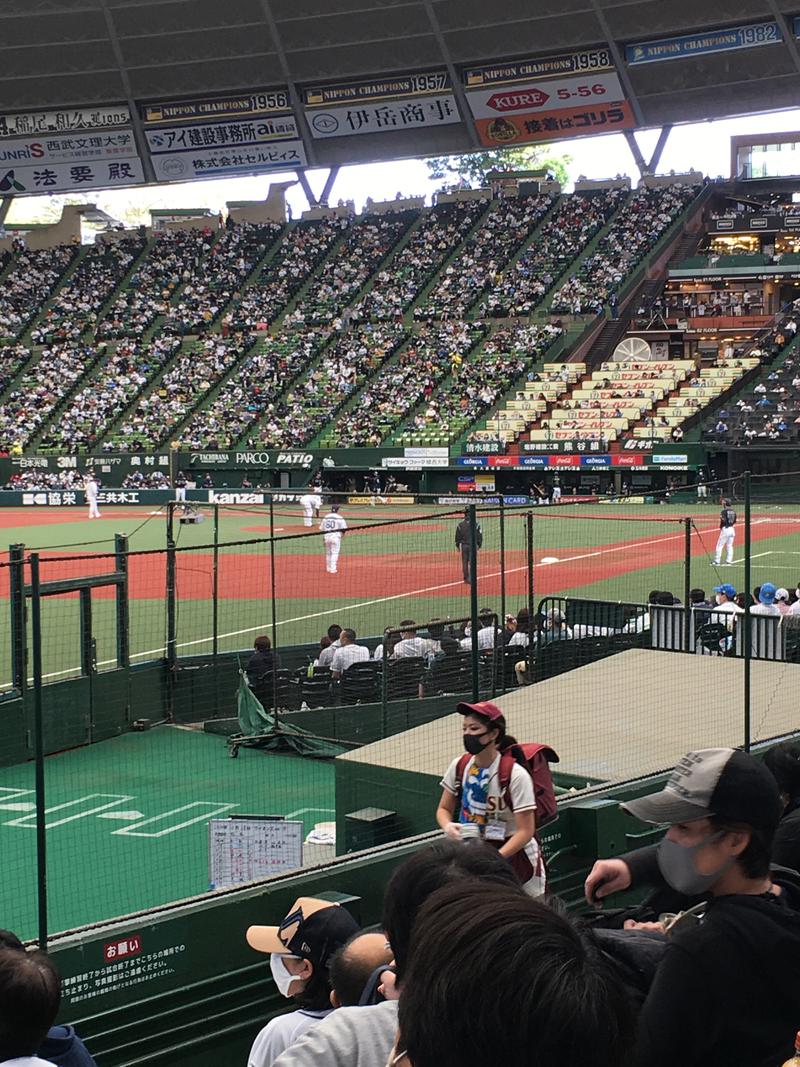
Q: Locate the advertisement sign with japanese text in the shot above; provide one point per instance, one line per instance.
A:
(384, 117)
(233, 147)
(532, 101)
(66, 120)
(70, 178)
(253, 104)
(63, 148)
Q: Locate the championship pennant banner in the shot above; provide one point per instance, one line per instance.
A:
(249, 133)
(398, 103)
(67, 151)
(548, 99)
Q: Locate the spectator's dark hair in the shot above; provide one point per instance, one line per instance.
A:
(653, 595)
(334, 631)
(697, 596)
(783, 763)
(436, 629)
(350, 972)
(523, 621)
(8, 939)
(486, 615)
(30, 993)
(325, 641)
(540, 994)
(348, 633)
(666, 599)
(755, 859)
(406, 624)
(414, 881)
(262, 643)
(450, 645)
(756, 594)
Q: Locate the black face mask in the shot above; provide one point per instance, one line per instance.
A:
(473, 743)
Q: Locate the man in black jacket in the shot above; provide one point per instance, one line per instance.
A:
(463, 545)
(728, 988)
(783, 761)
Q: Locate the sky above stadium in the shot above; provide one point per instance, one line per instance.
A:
(702, 146)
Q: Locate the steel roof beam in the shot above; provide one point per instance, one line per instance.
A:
(458, 89)
(136, 122)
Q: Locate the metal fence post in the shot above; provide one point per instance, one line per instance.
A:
(38, 731)
(172, 617)
(121, 595)
(502, 562)
(16, 556)
(687, 584)
(215, 587)
(473, 597)
(529, 569)
(274, 619)
(748, 619)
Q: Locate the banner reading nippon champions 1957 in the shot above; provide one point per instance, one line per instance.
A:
(547, 99)
(399, 102)
(248, 135)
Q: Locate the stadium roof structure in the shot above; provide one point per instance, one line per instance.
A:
(676, 62)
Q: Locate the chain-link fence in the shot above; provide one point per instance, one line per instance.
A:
(129, 678)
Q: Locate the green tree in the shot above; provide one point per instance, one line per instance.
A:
(472, 167)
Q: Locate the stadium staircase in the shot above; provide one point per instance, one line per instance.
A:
(389, 258)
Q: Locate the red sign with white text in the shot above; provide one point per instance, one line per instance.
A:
(564, 461)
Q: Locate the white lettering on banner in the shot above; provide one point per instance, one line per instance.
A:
(385, 117)
(260, 102)
(404, 463)
(209, 457)
(421, 83)
(235, 498)
(232, 159)
(257, 459)
(295, 459)
(549, 94)
(425, 453)
(64, 177)
(670, 458)
(64, 462)
(566, 63)
(115, 144)
(64, 121)
(220, 134)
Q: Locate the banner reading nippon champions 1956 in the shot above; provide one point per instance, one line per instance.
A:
(400, 102)
(248, 135)
(547, 99)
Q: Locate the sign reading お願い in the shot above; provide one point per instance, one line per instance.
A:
(532, 100)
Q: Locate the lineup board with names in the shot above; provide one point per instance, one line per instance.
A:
(246, 850)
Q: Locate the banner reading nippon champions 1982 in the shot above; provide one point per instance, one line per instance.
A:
(248, 135)
(400, 102)
(547, 99)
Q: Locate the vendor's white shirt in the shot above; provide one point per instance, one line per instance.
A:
(279, 1034)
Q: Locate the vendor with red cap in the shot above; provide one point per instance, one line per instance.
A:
(476, 802)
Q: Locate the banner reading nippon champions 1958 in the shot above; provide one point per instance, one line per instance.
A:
(547, 99)
(401, 102)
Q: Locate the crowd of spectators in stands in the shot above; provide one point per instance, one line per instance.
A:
(483, 258)
(345, 364)
(43, 386)
(366, 244)
(30, 282)
(396, 288)
(636, 229)
(476, 383)
(300, 252)
(125, 372)
(231, 260)
(175, 259)
(79, 301)
(770, 410)
(412, 378)
(574, 223)
(197, 368)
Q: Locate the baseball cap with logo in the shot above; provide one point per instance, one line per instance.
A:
(313, 929)
(485, 708)
(727, 589)
(782, 594)
(724, 782)
(767, 593)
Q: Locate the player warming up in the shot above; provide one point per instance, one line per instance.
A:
(311, 504)
(727, 533)
(333, 528)
(92, 488)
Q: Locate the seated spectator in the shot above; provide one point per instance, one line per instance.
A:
(410, 644)
(766, 601)
(263, 662)
(30, 994)
(363, 1037)
(555, 627)
(300, 951)
(731, 978)
(782, 601)
(507, 980)
(334, 637)
(348, 652)
(354, 964)
(783, 763)
(487, 624)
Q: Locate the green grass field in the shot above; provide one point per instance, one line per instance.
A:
(396, 563)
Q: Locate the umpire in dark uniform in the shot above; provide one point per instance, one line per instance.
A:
(463, 544)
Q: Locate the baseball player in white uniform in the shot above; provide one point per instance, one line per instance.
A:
(333, 527)
(92, 488)
(556, 494)
(727, 533)
(311, 504)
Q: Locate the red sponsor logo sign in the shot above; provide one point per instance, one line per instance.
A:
(517, 100)
(503, 461)
(122, 949)
(627, 459)
(564, 461)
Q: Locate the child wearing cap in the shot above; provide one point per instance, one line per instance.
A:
(476, 804)
(300, 950)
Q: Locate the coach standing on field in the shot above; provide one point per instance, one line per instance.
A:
(463, 544)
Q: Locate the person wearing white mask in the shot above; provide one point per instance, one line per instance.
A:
(300, 950)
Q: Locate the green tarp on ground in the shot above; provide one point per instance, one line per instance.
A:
(266, 730)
